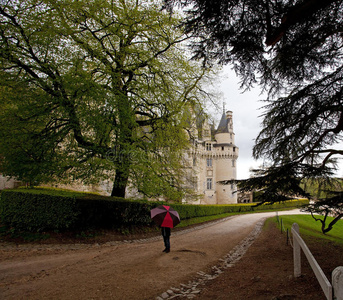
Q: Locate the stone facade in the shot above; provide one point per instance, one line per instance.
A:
(9, 183)
(214, 156)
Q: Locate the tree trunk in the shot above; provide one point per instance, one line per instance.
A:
(120, 181)
(126, 124)
(333, 222)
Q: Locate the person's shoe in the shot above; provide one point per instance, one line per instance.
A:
(167, 250)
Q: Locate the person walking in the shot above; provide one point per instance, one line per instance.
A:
(166, 232)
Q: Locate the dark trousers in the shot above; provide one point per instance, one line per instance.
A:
(166, 236)
(166, 240)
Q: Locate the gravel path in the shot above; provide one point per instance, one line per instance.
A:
(130, 269)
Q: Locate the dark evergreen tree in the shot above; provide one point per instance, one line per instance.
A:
(293, 49)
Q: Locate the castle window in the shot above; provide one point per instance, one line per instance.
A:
(233, 162)
(234, 149)
(208, 147)
(223, 148)
(209, 162)
(209, 183)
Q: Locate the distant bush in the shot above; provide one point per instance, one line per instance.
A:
(43, 209)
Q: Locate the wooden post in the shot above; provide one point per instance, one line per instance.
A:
(300, 244)
(337, 283)
(296, 252)
(281, 226)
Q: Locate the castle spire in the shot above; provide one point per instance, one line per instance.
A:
(223, 124)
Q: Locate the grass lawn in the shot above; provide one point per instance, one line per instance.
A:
(310, 228)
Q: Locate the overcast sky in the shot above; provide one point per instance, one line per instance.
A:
(246, 121)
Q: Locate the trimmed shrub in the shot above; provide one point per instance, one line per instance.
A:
(109, 212)
(43, 209)
(37, 212)
(187, 211)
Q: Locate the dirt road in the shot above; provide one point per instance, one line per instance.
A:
(138, 270)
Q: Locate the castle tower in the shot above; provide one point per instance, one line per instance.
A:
(212, 158)
(226, 154)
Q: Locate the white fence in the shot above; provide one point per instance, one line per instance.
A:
(334, 291)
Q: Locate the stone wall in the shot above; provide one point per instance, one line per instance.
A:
(9, 182)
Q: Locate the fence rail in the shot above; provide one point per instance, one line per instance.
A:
(337, 274)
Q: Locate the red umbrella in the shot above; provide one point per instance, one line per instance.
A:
(165, 216)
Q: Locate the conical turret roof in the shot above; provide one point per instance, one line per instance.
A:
(223, 125)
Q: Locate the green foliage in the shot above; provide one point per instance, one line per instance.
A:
(92, 90)
(275, 184)
(40, 209)
(112, 212)
(320, 188)
(192, 211)
(37, 211)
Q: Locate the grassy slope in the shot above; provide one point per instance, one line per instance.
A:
(309, 227)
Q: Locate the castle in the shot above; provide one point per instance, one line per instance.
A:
(211, 158)
(214, 158)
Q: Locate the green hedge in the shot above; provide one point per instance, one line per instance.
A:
(42, 209)
(187, 211)
(37, 212)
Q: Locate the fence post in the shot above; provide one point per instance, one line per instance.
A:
(281, 226)
(337, 283)
(296, 253)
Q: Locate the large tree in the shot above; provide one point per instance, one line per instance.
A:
(294, 50)
(94, 90)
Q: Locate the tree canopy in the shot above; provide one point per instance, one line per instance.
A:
(293, 49)
(95, 90)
